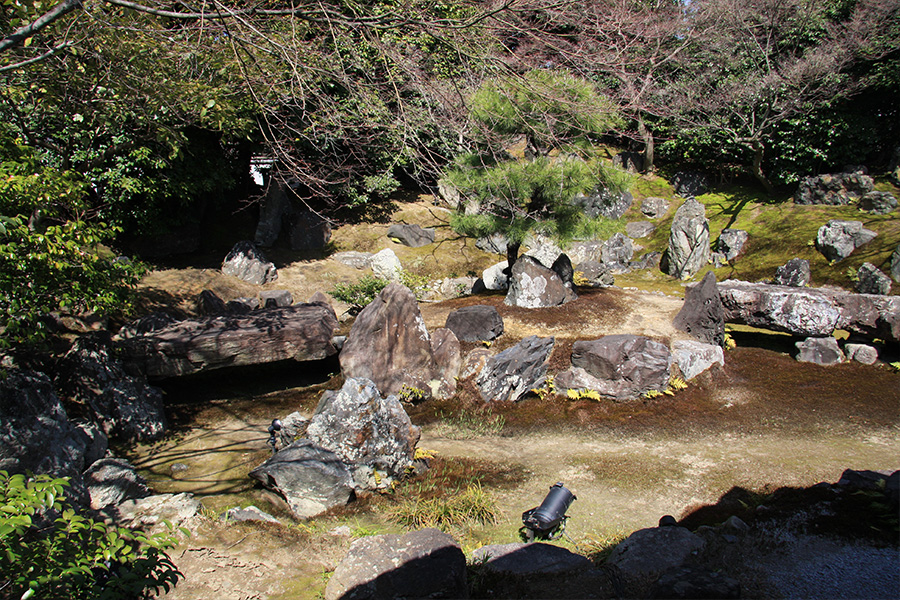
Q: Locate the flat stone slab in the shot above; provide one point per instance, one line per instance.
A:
(302, 332)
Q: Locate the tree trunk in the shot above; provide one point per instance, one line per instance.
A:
(649, 146)
(512, 255)
(758, 151)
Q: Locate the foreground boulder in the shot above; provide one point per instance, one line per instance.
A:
(247, 262)
(814, 312)
(367, 432)
(702, 315)
(421, 564)
(529, 559)
(837, 240)
(688, 248)
(301, 332)
(533, 285)
(647, 553)
(516, 371)
(390, 346)
(620, 367)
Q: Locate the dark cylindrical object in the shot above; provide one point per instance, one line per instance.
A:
(551, 512)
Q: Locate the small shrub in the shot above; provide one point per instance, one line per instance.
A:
(358, 295)
(584, 395)
(457, 509)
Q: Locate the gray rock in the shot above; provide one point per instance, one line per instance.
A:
(533, 285)
(688, 184)
(861, 353)
(390, 345)
(639, 229)
(895, 264)
(250, 513)
(362, 428)
(872, 281)
(522, 559)
(293, 428)
(421, 564)
(694, 358)
(543, 249)
(111, 481)
(836, 240)
(562, 266)
(620, 367)
(495, 278)
(629, 161)
(357, 260)
(302, 332)
(241, 306)
(618, 252)
(35, 433)
(514, 372)
(386, 265)
(96, 444)
(650, 260)
(834, 189)
(413, 236)
(493, 244)
(703, 315)
(605, 203)
(688, 248)
(474, 362)
(731, 242)
(794, 273)
(584, 251)
(878, 203)
(694, 583)
(310, 478)
(276, 298)
(307, 230)
(647, 553)
(247, 262)
(125, 407)
(208, 303)
(448, 356)
(654, 208)
(475, 323)
(596, 274)
(177, 509)
(819, 350)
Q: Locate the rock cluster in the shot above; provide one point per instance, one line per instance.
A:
(834, 189)
(247, 262)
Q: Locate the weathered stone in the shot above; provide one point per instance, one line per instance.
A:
(364, 429)
(620, 367)
(495, 278)
(895, 264)
(878, 203)
(562, 266)
(834, 189)
(414, 236)
(301, 332)
(475, 323)
(123, 406)
(595, 274)
(731, 242)
(448, 356)
(280, 218)
(836, 240)
(35, 433)
(872, 281)
(820, 350)
(688, 184)
(647, 553)
(351, 258)
(584, 251)
(293, 428)
(246, 262)
(111, 481)
(794, 273)
(618, 252)
(654, 208)
(650, 260)
(535, 286)
(208, 303)
(702, 315)
(310, 478)
(512, 373)
(494, 244)
(629, 161)
(523, 559)
(177, 509)
(639, 229)
(694, 358)
(241, 306)
(389, 345)
(694, 583)
(474, 362)
(276, 298)
(861, 353)
(250, 513)
(307, 230)
(815, 312)
(386, 265)
(543, 249)
(422, 564)
(603, 202)
(96, 444)
(688, 248)
(272, 210)
(147, 324)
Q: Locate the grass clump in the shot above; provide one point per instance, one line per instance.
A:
(459, 508)
(468, 424)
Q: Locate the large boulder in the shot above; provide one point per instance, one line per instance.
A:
(386, 265)
(562, 266)
(604, 203)
(731, 242)
(834, 189)
(420, 564)
(654, 208)
(111, 481)
(125, 407)
(872, 281)
(794, 273)
(629, 161)
(694, 357)
(521, 559)
(352, 258)
(878, 203)
(247, 262)
(281, 219)
(448, 356)
(35, 433)
(688, 248)
(639, 229)
(702, 315)
(390, 345)
(618, 252)
(543, 249)
(496, 243)
(820, 350)
(302, 332)
(365, 430)
(595, 274)
(310, 478)
(620, 367)
(814, 312)
(836, 240)
(495, 277)
(533, 285)
(413, 236)
(513, 373)
(475, 323)
(307, 230)
(647, 553)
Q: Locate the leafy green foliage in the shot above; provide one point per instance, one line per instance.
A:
(360, 293)
(48, 550)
